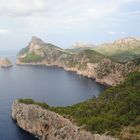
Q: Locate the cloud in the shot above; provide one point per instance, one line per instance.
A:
(111, 32)
(76, 17)
(123, 33)
(22, 7)
(131, 13)
(39, 14)
(68, 13)
(4, 31)
(117, 33)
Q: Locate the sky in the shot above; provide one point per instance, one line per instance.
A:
(65, 22)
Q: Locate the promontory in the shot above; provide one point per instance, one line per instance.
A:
(107, 68)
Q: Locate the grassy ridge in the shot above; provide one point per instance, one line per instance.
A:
(115, 109)
(31, 57)
(31, 101)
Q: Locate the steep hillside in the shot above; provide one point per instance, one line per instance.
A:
(115, 112)
(83, 61)
(37, 119)
(38, 50)
(122, 50)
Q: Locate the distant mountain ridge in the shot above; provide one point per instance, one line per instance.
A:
(122, 50)
(85, 61)
(83, 45)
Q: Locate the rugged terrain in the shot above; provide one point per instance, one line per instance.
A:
(115, 112)
(5, 62)
(48, 125)
(84, 61)
(121, 50)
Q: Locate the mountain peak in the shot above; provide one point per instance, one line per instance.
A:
(35, 44)
(125, 40)
(36, 39)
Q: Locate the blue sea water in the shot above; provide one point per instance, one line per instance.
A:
(48, 84)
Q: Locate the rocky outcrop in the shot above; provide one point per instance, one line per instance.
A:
(113, 73)
(122, 50)
(48, 125)
(85, 62)
(5, 62)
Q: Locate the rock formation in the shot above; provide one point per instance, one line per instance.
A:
(122, 50)
(48, 125)
(86, 62)
(5, 62)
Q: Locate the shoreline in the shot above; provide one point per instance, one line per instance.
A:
(73, 70)
(49, 129)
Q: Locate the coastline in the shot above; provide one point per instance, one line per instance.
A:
(45, 124)
(86, 73)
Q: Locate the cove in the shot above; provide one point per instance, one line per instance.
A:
(46, 84)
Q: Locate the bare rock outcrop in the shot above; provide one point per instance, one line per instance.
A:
(86, 62)
(48, 125)
(5, 62)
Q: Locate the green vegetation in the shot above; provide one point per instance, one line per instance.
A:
(93, 56)
(120, 52)
(79, 59)
(31, 57)
(125, 56)
(24, 50)
(31, 101)
(114, 110)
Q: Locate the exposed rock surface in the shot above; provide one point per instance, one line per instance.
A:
(85, 62)
(83, 45)
(123, 50)
(5, 62)
(48, 125)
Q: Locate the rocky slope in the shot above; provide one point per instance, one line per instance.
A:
(123, 50)
(86, 62)
(114, 112)
(5, 62)
(48, 125)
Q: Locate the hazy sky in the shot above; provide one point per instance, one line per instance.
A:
(64, 22)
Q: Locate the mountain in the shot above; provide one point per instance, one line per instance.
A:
(51, 53)
(83, 61)
(36, 51)
(115, 112)
(121, 50)
(83, 45)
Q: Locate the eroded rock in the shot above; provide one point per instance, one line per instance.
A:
(48, 125)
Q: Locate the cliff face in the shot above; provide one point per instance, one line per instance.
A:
(86, 62)
(48, 125)
(5, 62)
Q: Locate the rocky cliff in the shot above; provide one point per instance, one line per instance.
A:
(5, 62)
(48, 125)
(86, 62)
